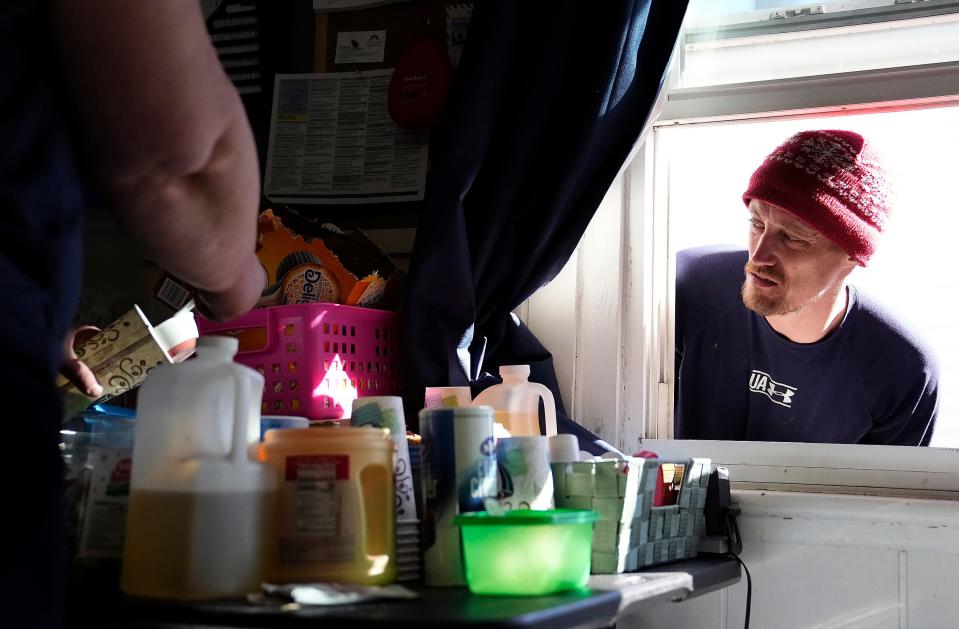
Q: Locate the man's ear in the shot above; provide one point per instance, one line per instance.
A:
(851, 264)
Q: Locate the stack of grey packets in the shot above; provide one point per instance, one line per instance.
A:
(631, 533)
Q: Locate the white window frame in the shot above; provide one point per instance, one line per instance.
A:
(638, 223)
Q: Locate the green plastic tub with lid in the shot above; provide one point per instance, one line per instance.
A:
(527, 553)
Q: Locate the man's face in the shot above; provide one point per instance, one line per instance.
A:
(791, 266)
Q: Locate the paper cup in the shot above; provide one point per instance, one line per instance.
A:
(448, 397)
(459, 474)
(386, 411)
(563, 449)
(525, 477)
(124, 353)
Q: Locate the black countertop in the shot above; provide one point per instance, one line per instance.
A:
(598, 605)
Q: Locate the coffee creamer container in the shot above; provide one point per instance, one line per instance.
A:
(198, 497)
(333, 518)
(459, 474)
(515, 402)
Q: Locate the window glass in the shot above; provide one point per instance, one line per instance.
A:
(914, 270)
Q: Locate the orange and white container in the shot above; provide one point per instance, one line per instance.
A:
(333, 518)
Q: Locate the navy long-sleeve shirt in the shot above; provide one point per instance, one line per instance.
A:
(869, 381)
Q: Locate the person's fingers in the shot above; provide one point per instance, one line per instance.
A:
(77, 337)
(236, 300)
(77, 372)
(83, 334)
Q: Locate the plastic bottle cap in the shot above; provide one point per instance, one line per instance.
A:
(226, 343)
(514, 370)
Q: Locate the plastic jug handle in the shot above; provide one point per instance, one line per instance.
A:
(241, 409)
(549, 405)
(378, 480)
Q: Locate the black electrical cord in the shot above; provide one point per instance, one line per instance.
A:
(749, 586)
(735, 541)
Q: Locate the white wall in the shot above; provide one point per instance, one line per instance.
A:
(821, 561)
(578, 318)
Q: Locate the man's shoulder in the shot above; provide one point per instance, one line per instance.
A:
(710, 263)
(708, 286)
(711, 274)
(891, 335)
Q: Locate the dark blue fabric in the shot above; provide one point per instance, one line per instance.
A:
(869, 381)
(40, 251)
(549, 100)
(40, 198)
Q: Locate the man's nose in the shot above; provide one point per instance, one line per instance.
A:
(764, 250)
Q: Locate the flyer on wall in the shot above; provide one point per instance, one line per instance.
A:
(333, 142)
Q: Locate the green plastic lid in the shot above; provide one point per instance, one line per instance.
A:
(528, 517)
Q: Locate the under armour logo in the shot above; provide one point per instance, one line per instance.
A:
(777, 392)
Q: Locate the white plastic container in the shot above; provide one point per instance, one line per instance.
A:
(198, 496)
(516, 402)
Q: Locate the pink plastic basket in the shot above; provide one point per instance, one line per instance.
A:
(316, 358)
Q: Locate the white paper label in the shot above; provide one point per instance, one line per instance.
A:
(360, 47)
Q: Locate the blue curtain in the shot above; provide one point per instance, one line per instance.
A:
(549, 99)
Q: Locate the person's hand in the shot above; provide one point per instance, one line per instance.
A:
(236, 300)
(74, 369)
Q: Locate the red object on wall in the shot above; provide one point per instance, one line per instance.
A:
(420, 85)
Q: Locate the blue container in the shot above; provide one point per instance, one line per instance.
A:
(269, 422)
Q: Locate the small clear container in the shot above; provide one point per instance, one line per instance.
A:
(97, 453)
(527, 553)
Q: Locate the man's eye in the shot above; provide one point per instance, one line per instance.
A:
(756, 224)
(792, 239)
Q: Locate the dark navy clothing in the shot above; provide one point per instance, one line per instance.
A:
(40, 199)
(40, 252)
(869, 381)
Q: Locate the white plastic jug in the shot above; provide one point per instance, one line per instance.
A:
(198, 496)
(516, 402)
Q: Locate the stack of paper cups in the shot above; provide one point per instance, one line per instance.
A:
(525, 477)
(447, 397)
(459, 474)
(387, 412)
(563, 449)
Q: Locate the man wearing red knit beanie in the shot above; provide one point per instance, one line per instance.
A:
(773, 343)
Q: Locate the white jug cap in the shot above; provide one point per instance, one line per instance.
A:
(514, 370)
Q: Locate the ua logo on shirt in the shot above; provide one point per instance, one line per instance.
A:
(777, 392)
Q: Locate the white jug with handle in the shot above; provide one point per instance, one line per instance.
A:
(198, 496)
(516, 402)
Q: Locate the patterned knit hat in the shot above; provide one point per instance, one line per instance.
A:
(831, 180)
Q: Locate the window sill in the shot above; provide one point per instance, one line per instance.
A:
(911, 86)
(872, 522)
(827, 467)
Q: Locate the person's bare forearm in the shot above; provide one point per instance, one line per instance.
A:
(199, 226)
(168, 138)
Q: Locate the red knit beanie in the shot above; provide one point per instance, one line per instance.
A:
(831, 180)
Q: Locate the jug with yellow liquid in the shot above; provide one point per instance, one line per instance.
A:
(198, 496)
(334, 516)
(516, 403)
